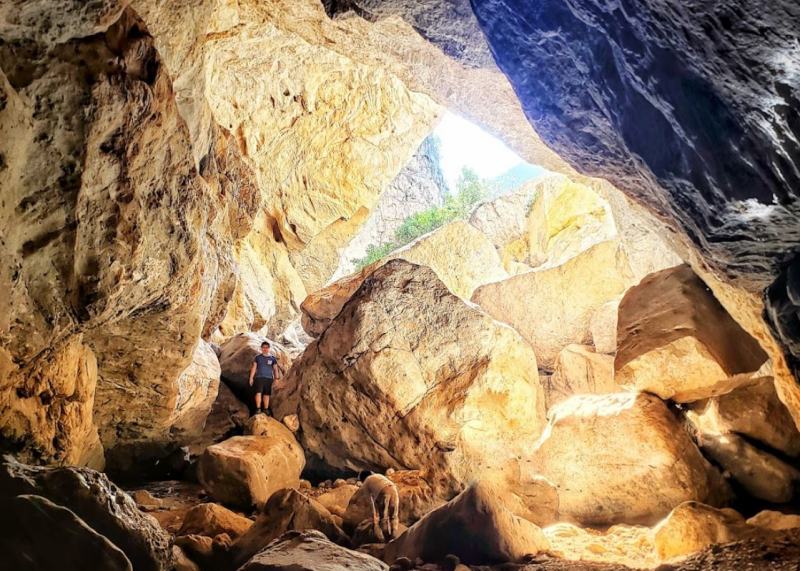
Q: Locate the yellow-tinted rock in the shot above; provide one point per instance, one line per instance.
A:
(552, 308)
(244, 471)
(476, 526)
(408, 375)
(629, 545)
(459, 254)
(622, 458)
(753, 410)
(47, 407)
(579, 370)
(675, 340)
(197, 390)
(775, 521)
(693, 526)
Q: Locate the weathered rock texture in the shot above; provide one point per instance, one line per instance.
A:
(244, 471)
(419, 186)
(409, 376)
(311, 551)
(460, 255)
(38, 534)
(753, 411)
(622, 458)
(286, 510)
(552, 308)
(674, 339)
(96, 501)
(475, 526)
(579, 370)
(616, 93)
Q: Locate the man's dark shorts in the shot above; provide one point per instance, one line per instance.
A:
(263, 385)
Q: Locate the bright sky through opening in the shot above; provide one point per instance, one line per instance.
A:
(464, 144)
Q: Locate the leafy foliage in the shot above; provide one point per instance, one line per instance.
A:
(470, 190)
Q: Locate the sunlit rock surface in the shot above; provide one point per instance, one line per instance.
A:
(475, 526)
(460, 255)
(579, 370)
(753, 411)
(552, 308)
(692, 526)
(244, 471)
(408, 375)
(418, 187)
(634, 462)
(676, 340)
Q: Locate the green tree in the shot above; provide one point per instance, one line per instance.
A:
(470, 189)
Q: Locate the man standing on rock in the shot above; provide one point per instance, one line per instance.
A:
(385, 503)
(262, 374)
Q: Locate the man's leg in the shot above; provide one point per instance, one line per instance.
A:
(265, 403)
(258, 401)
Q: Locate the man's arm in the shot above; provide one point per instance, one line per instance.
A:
(252, 372)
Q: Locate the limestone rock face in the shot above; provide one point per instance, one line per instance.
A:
(197, 391)
(35, 533)
(96, 501)
(212, 519)
(418, 186)
(475, 526)
(552, 308)
(460, 255)
(286, 510)
(753, 410)
(311, 551)
(407, 376)
(760, 473)
(109, 189)
(244, 471)
(47, 409)
(676, 340)
(579, 370)
(692, 526)
(603, 327)
(639, 435)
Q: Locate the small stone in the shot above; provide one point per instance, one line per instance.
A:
(305, 485)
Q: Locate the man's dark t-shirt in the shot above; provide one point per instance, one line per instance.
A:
(265, 366)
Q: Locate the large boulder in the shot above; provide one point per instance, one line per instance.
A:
(286, 510)
(338, 499)
(675, 339)
(244, 471)
(776, 521)
(460, 255)
(760, 473)
(212, 519)
(413, 490)
(36, 534)
(622, 458)
(693, 526)
(579, 370)
(552, 308)
(753, 410)
(99, 503)
(310, 551)
(475, 526)
(407, 376)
